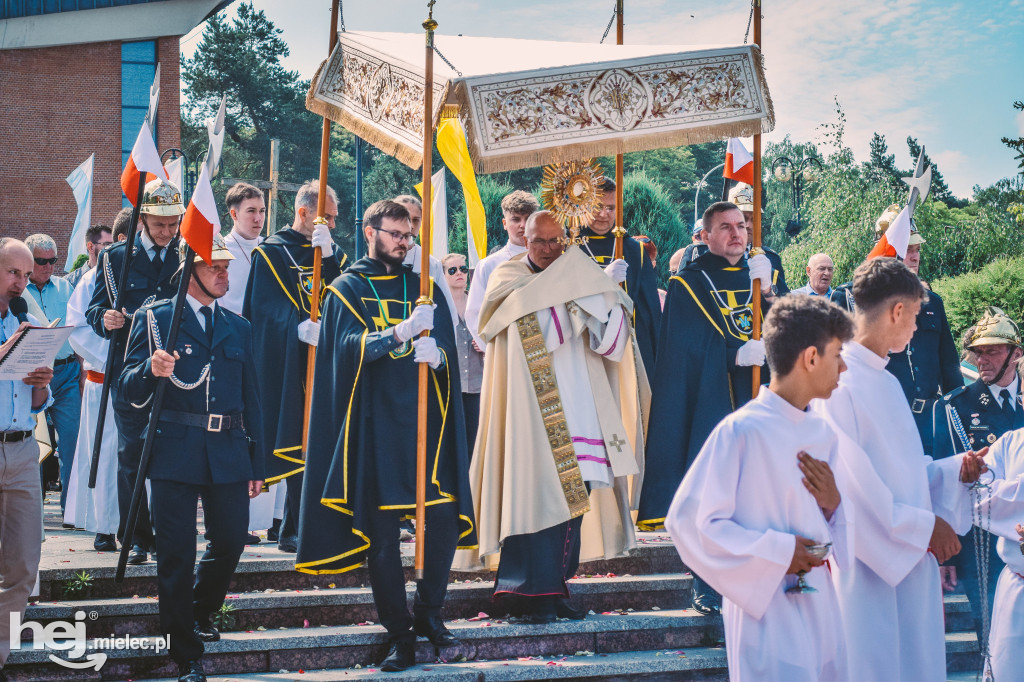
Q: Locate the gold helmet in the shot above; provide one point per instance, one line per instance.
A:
(743, 196)
(219, 252)
(161, 197)
(889, 215)
(995, 328)
(884, 220)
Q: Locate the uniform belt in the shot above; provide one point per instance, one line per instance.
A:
(14, 436)
(210, 422)
(94, 376)
(917, 407)
(64, 361)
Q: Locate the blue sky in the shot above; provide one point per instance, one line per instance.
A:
(945, 72)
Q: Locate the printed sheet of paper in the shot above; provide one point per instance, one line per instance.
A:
(30, 348)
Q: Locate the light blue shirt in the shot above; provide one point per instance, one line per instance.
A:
(53, 300)
(16, 396)
(811, 292)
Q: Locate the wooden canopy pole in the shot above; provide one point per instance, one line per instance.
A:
(755, 248)
(619, 231)
(426, 239)
(321, 219)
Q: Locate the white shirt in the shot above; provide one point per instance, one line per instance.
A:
(150, 246)
(238, 269)
(196, 308)
(1012, 388)
(478, 286)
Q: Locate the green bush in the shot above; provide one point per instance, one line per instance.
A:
(1000, 283)
(647, 208)
(492, 191)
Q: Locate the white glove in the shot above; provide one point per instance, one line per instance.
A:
(750, 354)
(421, 320)
(309, 332)
(760, 268)
(617, 270)
(322, 238)
(425, 350)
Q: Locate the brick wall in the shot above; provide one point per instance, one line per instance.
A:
(57, 106)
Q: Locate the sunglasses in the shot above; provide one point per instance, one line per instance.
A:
(46, 261)
(462, 268)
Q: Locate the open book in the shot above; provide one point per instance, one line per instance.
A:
(30, 348)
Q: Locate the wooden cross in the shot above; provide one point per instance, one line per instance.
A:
(274, 186)
(616, 443)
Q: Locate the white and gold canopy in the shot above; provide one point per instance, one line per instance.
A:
(528, 103)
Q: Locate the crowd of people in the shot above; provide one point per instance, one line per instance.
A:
(570, 403)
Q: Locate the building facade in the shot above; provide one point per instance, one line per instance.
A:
(74, 81)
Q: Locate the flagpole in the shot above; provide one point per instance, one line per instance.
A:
(426, 239)
(122, 284)
(755, 248)
(321, 212)
(139, 487)
(619, 231)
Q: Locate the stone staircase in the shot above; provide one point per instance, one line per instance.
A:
(293, 626)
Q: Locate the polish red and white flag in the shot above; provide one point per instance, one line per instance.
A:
(896, 239)
(739, 163)
(201, 221)
(144, 159)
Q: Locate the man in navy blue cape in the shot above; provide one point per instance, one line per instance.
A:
(360, 479)
(277, 303)
(705, 362)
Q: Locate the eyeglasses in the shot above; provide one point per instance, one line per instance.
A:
(398, 236)
(547, 242)
(462, 268)
(45, 261)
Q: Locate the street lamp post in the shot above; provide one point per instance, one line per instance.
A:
(784, 169)
(189, 170)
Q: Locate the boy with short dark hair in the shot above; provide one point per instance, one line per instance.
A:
(902, 503)
(759, 508)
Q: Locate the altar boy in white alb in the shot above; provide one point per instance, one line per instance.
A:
(1000, 508)
(760, 493)
(902, 503)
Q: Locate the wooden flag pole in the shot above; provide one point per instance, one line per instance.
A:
(321, 219)
(426, 239)
(755, 248)
(619, 231)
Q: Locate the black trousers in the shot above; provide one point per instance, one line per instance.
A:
(292, 502)
(131, 426)
(184, 599)
(387, 577)
(471, 405)
(536, 565)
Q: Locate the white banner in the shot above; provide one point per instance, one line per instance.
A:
(81, 186)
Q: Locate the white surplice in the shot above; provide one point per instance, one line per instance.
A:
(238, 270)
(890, 597)
(1001, 508)
(95, 510)
(609, 338)
(734, 520)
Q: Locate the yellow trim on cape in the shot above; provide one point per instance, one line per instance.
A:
(270, 265)
(699, 305)
(651, 524)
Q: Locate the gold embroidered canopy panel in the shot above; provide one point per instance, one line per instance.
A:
(528, 103)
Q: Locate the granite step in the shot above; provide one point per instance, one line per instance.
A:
(335, 651)
(265, 567)
(346, 646)
(351, 605)
(653, 666)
